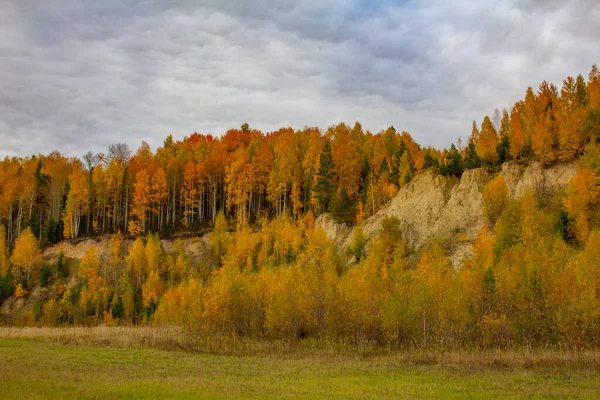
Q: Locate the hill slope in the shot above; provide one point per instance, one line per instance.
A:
(447, 207)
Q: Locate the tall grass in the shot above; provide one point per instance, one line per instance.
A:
(169, 338)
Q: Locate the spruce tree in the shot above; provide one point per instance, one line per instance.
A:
(452, 163)
(472, 160)
(324, 187)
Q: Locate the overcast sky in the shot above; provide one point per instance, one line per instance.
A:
(78, 75)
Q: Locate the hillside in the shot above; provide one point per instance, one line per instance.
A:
(434, 206)
(430, 206)
(340, 235)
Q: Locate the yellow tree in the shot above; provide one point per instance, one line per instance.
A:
(345, 159)
(26, 257)
(545, 139)
(516, 136)
(152, 289)
(115, 174)
(219, 238)
(153, 254)
(581, 193)
(114, 258)
(140, 206)
(136, 261)
(593, 87)
(570, 116)
(57, 168)
(158, 194)
(100, 200)
(238, 180)
(4, 256)
(28, 190)
(494, 198)
(285, 171)
(77, 201)
(93, 285)
(488, 140)
(8, 194)
(189, 193)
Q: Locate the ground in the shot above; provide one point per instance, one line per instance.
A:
(33, 368)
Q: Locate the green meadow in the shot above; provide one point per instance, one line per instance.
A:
(32, 369)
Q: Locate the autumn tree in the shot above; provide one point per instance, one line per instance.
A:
(26, 256)
(488, 141)
(494, 198)
(516, 135)
(346, 159)
(136, 262)
(158, 196)
(581, 193)
(219, 238)
(4, 254)
(114, 257)
(189, 193)
(93, 287)
(545, 141)
(140, 205)
(77, 202)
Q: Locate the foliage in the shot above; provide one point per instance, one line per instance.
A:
(358, 243)
(494, 198)
(7, 287)
(45, 274)
(219, 238)
(62, 265)
(26, 257)
(324, 185)
(20, 291)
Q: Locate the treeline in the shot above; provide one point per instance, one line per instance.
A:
(249, 175)
(533, 280)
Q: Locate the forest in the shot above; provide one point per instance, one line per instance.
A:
(533, 278)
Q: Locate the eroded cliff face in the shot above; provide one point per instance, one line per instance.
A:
(198, 248)
(435, 206)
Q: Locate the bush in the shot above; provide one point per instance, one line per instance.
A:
(45, 274)
(358, 243)
(7, 287)
(62, 265)
(117, 310)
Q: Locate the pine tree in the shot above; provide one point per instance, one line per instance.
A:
(471, 160)
(503, 147)
(452, 162)
(430, 161)
(324, 187)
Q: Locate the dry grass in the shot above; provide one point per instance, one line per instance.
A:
(169, 338)
(120, 337)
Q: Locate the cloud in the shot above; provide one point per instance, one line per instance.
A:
(78, 76)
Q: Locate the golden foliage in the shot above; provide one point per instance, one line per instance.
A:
(494, 198)
(26, 256)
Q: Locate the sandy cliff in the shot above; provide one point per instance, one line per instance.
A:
(450, 207)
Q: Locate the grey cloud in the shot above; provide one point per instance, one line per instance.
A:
(78, 76)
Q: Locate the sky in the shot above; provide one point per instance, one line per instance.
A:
(80, 75)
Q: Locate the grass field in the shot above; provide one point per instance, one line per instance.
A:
(41, 368)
